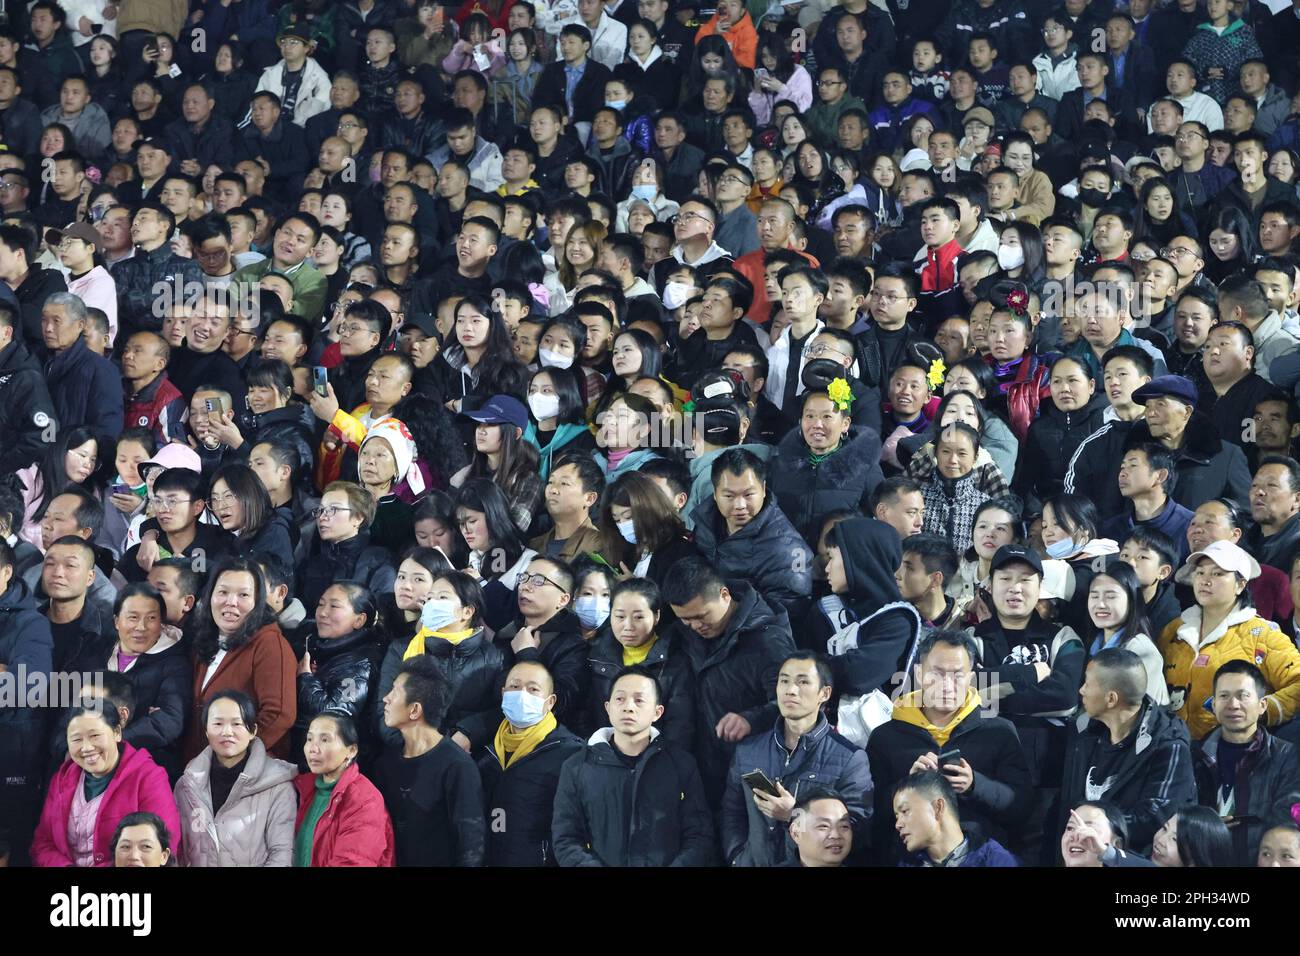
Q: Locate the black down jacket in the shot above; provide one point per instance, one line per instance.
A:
(1052, 440)
(668, 662)
(522, 797)
(475, 668)
(344, 675)
(650, 814)
(768, 552)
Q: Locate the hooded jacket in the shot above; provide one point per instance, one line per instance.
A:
(845, 479)
(652, 813)
(1266, 787)
(254, 827)
(474, 667)
(874, 660)
(355, 829)
(524, 794)
(768, 552)
(1050, 444)
(1148, 778)
(671, 667)
(26, 409)
(735, 673)
(138, 784)
(1228, 48)
(161, 680)
(1190, 664)
(1001, 795)
(821, 758)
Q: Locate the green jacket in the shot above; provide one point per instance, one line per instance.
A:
(309, 287)
(824, 120)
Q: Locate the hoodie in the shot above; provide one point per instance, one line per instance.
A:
(872, 553)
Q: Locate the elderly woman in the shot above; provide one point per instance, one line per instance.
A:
(342, 820)
(103, 780)
(239, 801)
(1224, 626)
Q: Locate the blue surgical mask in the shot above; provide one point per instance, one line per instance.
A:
(436, 615)
(592, 611)
(1062, 549)
(646, 191)
(627, 529)
(521, 708)
(617, 104)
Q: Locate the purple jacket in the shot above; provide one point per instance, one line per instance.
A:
(138, 784)
(988, 853)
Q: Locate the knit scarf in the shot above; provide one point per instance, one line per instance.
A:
(416, 647)
(637, 655)
(511, 746)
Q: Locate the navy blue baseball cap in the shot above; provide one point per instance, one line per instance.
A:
(500, 410)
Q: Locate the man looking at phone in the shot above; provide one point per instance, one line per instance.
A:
(800, 748)
(941, 728)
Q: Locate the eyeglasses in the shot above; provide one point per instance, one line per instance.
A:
(329, 512)
(824, 351)
(169, 504)
(1178, 252)
(830, 82)
(686, 216)
(889, 298)
(732, 179)
(219, 501)
(352, 329)
(1188, 136)
(537, 581)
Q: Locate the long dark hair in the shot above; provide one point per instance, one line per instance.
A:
(1074, 513)
(696, 75)
(498, 371)
(519, 460)
(652, 360)
(773, 43)
(53, 468)
(1136, 621)
(482, 495)
(565, 383)
(654, 519)
(437, 439)
(438, 506)
(206, 635)
(1031, 243)
(1233, 220)
(251, 493)
(1203, 838)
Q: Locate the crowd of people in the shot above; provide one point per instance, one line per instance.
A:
(559, 432)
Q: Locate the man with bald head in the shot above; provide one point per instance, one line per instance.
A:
(202, 137)
(521, 768)
(344, 93)
(151, 400)
(776, 230)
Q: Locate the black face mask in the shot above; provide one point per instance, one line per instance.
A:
(819, 373)
(1093, 197)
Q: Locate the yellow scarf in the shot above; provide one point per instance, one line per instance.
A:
(908, 710)
(511, 746)
(636, 655)
(416, 647)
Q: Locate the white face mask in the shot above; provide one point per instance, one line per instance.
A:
(544, 406)
(676, 294)
(551, 359)
(1010, 257)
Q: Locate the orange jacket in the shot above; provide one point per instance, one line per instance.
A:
(742, 38)
(751, 267)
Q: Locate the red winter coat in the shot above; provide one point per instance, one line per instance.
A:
(1030, 388)
(355, 829)
(138, 785)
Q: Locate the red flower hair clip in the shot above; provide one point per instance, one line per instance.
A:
(1018, 301)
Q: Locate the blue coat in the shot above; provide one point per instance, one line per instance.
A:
(86, 390)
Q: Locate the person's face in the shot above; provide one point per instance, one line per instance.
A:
(1015, 590)
(1071, 387)
(233, 599)
(631, 620)
(335, 617)
(1214, 587)
(955, 454)
(1275, 233)
(1179, 80)
(67, 179)
(325, 750)
(1210, 522)
(67, 573)
(823, 425)
(1226, 356)
(1073, 849)
(1280, 846)
(1272, 499)
(961, 85)
(58, 329)
(908, 392)
(739, 498)
(632, 706)
(1273, 428)
(1006, 338)
(92, 744)
(1238, 706)
(337, 522)
(914, 582)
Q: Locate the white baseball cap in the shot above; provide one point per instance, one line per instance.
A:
(1226, 555)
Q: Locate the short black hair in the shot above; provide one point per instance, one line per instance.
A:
(427, 686)
(737, 461)
(936, 553)
(638, 670)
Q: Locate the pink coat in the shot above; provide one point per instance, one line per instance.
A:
(138, 785)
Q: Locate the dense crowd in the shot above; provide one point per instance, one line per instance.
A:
(557, 432)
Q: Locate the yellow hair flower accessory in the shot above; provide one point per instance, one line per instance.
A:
(841, 394)
(936, 373)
